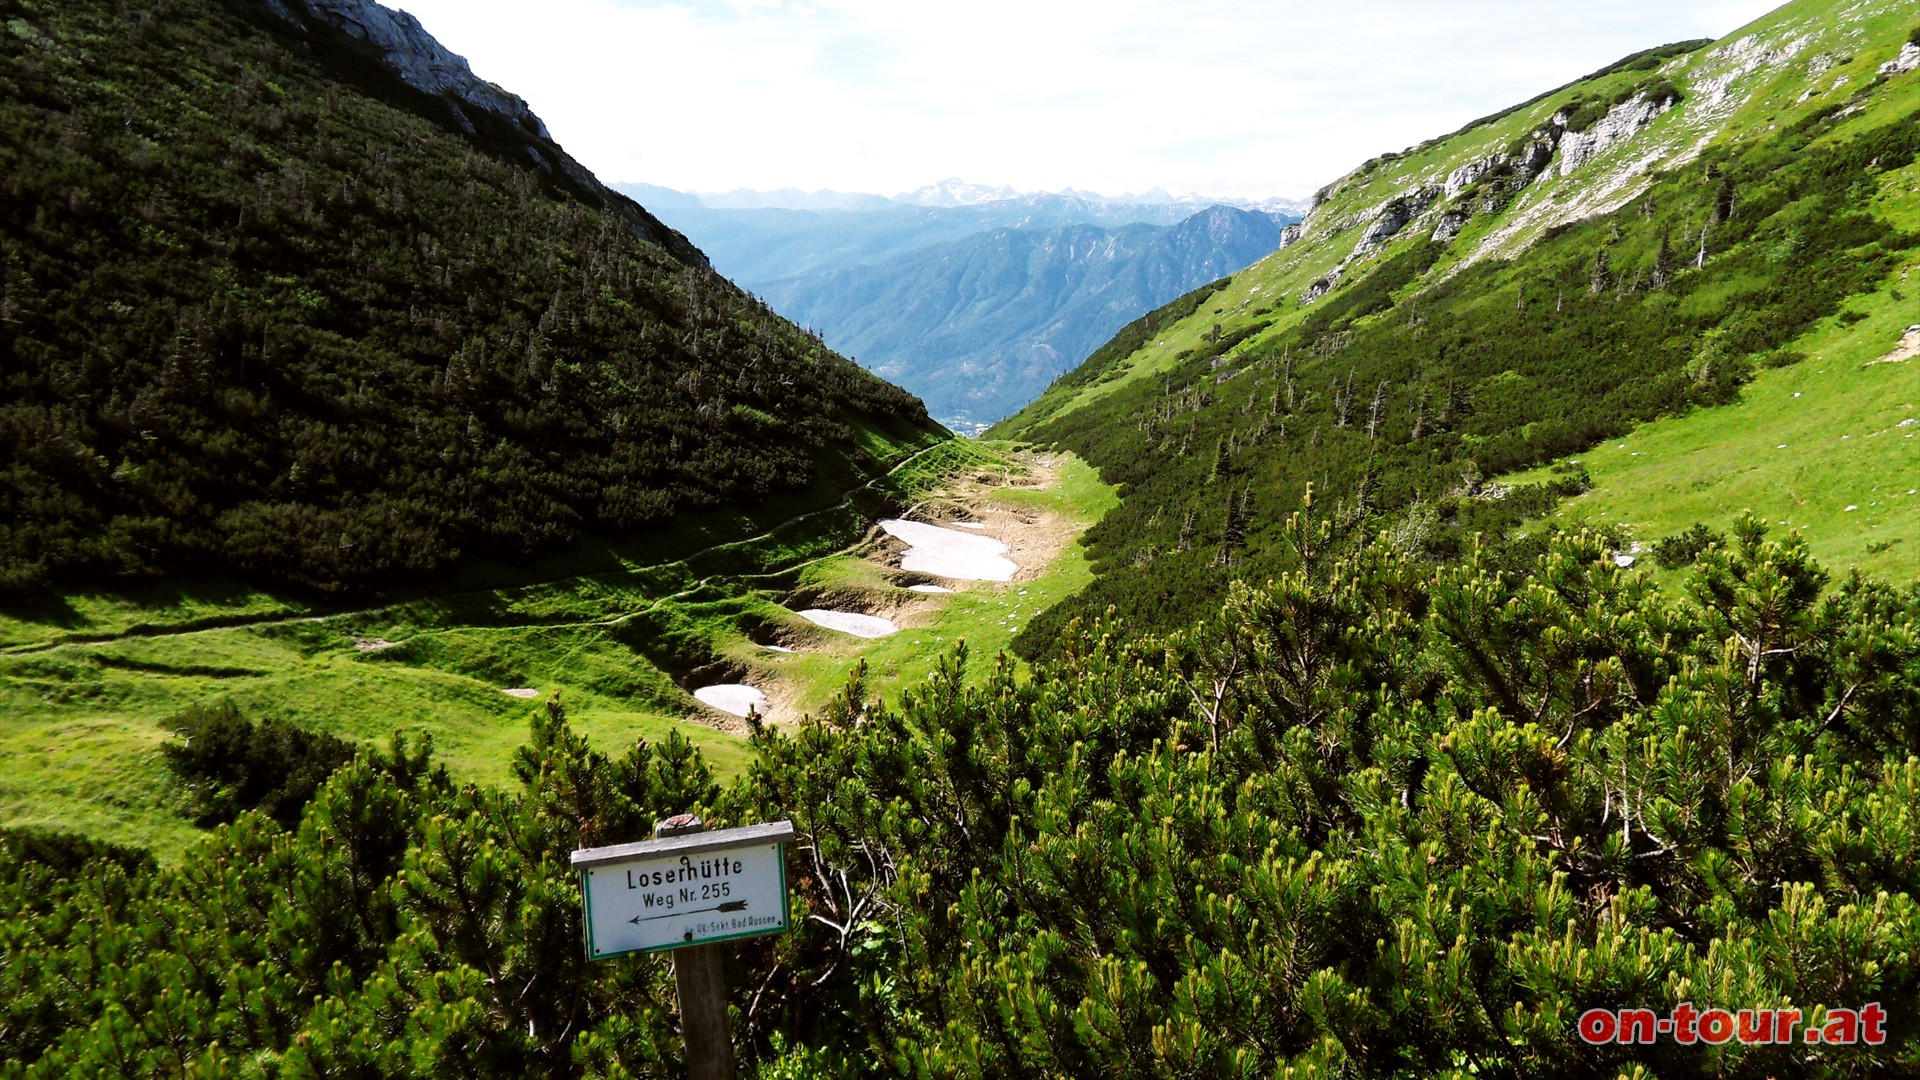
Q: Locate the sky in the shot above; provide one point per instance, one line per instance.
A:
(1230, 98)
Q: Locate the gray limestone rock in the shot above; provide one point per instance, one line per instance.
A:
(414, 55)
(1395, 215)
(1534, 159)
(1908, 60)
(1320, 287)
(1469, 174)
(1449, 225)
(1621, 123)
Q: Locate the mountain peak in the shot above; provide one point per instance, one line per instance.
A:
(416, 56)
(955, 192)
(500, 121)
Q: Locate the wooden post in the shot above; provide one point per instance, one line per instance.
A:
(700, 982)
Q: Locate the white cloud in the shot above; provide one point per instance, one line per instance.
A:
(1231, 97)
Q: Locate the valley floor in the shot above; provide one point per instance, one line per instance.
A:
(89, 683)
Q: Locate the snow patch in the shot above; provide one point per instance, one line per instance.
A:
(948, 553)
(848, 622)
(929, 588)
(735, 698)
(521, 692)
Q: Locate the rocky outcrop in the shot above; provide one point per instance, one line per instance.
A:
(1486, 184)
(1825, 62)
(1394, 215)
(1449, 225)
(1320, 287)
(1621, 123)
(1534, 158)
(420, 61)
(1908, 60)
(1470, 174)
(1290, 235)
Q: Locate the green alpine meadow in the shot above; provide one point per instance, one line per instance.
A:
(1480, 632)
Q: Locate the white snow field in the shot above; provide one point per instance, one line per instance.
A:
(948, 553)
(848, 622)
(733, 698)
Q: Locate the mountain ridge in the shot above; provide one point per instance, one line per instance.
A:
(329, 328)
(398, 45)
(949, 194)
(844, 268)
(1493, 300)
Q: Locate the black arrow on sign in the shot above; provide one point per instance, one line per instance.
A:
(731, 905)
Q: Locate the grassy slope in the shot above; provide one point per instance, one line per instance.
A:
(1803, 444)
(1261, 301)
(83, 716)
(1801, 63)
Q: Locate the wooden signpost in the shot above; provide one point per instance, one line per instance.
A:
(688, 890)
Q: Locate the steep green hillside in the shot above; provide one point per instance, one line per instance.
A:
(1632, 246)
(270, 309)
(1824, 445)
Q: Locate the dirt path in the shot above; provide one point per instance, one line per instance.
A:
(218, 623)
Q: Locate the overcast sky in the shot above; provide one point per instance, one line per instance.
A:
(1223, 97)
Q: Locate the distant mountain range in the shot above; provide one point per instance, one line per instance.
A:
(973, 297)
(979, 326)
(949, 193)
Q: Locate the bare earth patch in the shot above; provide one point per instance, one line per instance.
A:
(372, 644)
(1034, 538)
(1908, 349)
(973, 513)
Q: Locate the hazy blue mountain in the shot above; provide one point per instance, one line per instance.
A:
(976, 302)
(979, 326)
(790, 199)
(757, 238)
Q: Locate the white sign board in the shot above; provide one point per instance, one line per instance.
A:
(693, 889)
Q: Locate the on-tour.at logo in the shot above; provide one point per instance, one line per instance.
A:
(1753, 1027)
